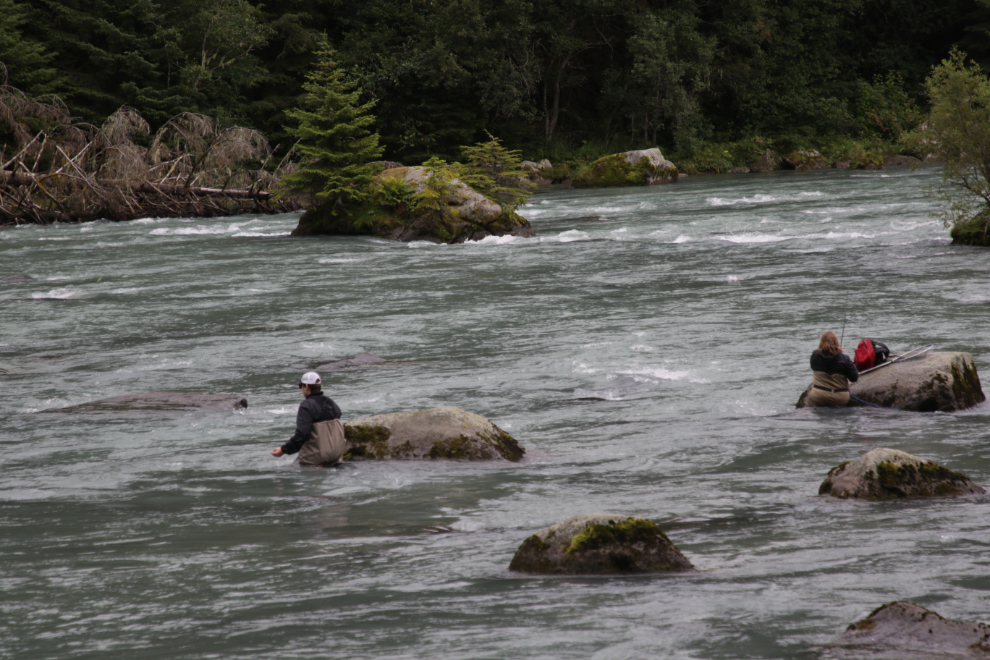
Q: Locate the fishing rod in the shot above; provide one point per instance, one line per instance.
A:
(844, 315)
(913, 353)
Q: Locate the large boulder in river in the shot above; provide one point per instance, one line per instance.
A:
(904, 626)
(599, 543)
(942, 382)
(885, 474)
(643, 167)
(429, 434)
(159, 402)
(463, 214)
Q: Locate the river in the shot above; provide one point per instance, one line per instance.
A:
(647, 349)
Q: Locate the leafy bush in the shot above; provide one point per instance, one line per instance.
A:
(957, 133)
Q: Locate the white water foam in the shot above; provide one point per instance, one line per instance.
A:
(57, 294)
(195, 231)
(572, 235)
(653, 373)
(680, 239)
(495, 240)
(755, 238)
(338, 260)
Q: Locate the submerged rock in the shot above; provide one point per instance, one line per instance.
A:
(632, 168)
(159, 402)
(16, 278)
(429, 434)
(599, 543)
(884, 474)
(359, 360)
(906, 626)
(942, 382)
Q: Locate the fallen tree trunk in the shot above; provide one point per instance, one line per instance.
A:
(28, 178)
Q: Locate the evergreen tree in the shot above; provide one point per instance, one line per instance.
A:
(23, 62)
(335, 142)
(494, 171)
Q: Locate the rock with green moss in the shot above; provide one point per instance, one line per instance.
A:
(904, 626)
(448, 432)
(899, 160)
(632, 168)
(468, 216)
(805, 160)
(885, 474)
(867, 162)
(545, 173)
(975, 231)
(943, 382)
(599, 543)
(768, 162)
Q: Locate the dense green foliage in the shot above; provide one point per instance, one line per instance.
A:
(556, 78)
(494, 171)
(958, 134)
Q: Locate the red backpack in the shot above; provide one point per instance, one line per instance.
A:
(865, 356)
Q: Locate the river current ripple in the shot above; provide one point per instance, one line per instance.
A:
(647, 348)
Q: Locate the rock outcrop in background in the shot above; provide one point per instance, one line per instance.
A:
(632, 168)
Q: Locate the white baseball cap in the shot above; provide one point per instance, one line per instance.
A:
(309, 378)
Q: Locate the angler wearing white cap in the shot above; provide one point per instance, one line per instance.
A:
(319, 436)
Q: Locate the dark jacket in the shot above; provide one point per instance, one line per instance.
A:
(840, 363)
(315, 408)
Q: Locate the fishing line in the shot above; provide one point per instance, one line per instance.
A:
(866, 402)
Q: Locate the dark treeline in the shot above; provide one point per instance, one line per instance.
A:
(674, 73)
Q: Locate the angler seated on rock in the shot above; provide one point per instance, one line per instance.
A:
(832, 371)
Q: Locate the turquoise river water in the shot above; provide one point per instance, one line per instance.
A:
(647, 349)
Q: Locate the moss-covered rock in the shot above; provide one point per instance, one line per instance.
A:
(599, 543)
(447, 433)
(768, 162)
(805, 160)
(545, 173)
(905, 626)
(900, 160)
(884, 474)
(468, 216)
(975, 231)
(631, 168)
(942, 382)
(866, 162)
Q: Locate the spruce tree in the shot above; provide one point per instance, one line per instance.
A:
(335, 142)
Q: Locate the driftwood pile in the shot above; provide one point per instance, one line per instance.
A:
(56, 169)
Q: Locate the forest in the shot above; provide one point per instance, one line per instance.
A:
(554, 78)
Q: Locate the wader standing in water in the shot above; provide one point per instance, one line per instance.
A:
(319, 436)
(832, 372)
